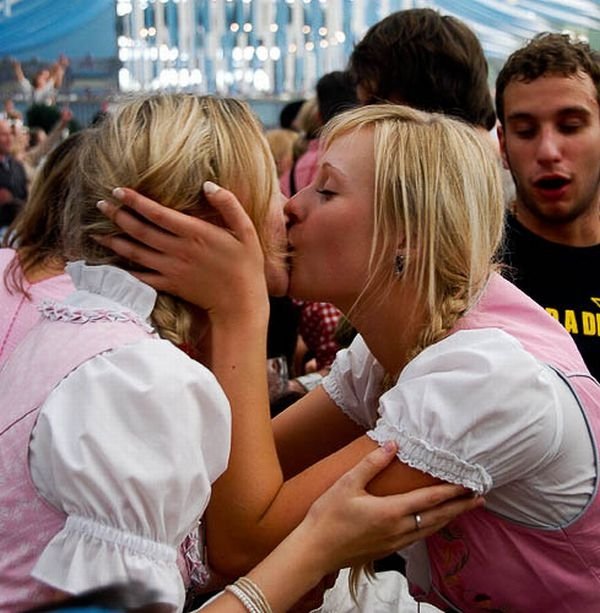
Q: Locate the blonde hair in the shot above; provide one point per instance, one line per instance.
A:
(166, 146)
(309, 123)
(281, 142)
(438, 192)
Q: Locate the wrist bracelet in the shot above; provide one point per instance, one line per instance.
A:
(310, 381)
(250, 595)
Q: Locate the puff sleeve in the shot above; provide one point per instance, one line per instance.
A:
(128, 446)
(474, 409)
(354, 383)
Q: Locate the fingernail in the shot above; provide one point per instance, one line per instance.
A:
(390, 446)
(210, 188)
(102, 205)
(118, 193)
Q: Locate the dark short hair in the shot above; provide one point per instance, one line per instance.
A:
(427, 61)
(289, 112)
(336, 92)
(547, 54)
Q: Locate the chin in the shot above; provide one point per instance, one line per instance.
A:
(302, 291)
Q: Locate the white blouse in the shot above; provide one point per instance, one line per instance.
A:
(477, 409)
(127, 445)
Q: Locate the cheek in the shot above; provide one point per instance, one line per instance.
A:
(276, 226)
(519, 158)
(341, 252)
(592, 154)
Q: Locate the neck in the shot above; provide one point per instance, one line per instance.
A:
(391, 328)
(583, 231)
(202, 337)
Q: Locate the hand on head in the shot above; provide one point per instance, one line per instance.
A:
(176, 247)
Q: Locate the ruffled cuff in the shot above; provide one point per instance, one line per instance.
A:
(334, 391)
(439, 463)
(86, 554)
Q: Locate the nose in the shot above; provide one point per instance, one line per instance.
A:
(549, 146)
(294, 209)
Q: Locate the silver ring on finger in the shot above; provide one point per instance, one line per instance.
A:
(418, 521)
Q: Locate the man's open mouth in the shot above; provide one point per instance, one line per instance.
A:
(552, 183)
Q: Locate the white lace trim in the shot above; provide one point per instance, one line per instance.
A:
(441, 464)
(132, 542)
(114, 284)
(334, 391)
(55, 311)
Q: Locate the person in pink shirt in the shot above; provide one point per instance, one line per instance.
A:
(31, 261)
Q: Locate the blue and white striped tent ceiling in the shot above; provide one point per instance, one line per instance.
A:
(28, 25)
(502, 25)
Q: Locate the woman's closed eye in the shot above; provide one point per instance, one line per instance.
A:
(327, 194)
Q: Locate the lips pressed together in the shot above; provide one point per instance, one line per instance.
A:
(290, 256)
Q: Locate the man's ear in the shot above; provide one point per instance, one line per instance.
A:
(502, 143)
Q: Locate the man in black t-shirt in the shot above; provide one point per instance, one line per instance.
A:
(565, 280)
(548, 104)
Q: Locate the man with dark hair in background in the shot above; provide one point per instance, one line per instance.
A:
(425, 60)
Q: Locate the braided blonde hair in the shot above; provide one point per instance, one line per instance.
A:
(166, 146)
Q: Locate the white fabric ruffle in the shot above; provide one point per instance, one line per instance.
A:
(439, 463)
(119, 557)
(108, 284)
(355, 383)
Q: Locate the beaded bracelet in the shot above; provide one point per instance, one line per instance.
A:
(250, 595)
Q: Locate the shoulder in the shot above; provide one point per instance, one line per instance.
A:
(354, 382)
(476, 402)
(472, 381)
(150, 378)
(6, 257)
(487, 356)
(356, 358)
(145, 404)
(475, 380)
(162, 365)
(127, 446)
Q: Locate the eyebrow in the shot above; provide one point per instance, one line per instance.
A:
(333, 169)
(569, 110)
